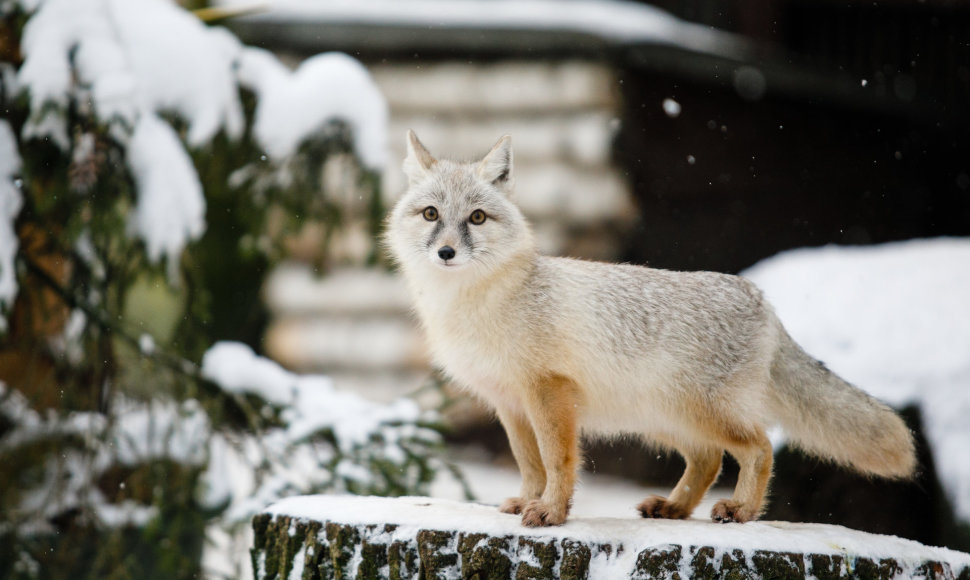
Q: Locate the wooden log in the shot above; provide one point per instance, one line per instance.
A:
(347, 537)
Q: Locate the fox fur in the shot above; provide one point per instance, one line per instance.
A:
(696, 362)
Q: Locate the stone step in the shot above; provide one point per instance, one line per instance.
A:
(574, 139)
(341, 343)
(351, 319)
(293, 289)
(477, 89)
(385, 386)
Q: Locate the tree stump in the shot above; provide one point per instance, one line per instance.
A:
(347, 537)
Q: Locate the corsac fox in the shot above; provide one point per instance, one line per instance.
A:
(692, 361)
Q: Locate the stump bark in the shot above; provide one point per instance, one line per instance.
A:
(323, 537)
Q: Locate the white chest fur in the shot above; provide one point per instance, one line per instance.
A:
(475, 345)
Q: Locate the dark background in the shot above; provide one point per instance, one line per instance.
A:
(859, 136)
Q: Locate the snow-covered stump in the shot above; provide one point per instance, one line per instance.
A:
(366, 537)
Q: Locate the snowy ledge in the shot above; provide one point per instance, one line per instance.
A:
(367, 537)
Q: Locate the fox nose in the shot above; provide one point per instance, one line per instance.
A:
(446, 252)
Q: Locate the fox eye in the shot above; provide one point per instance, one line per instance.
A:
(477, 218)
(430, 213)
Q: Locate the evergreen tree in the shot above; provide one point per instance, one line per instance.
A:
(148, 178)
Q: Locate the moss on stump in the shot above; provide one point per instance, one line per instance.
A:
(349, 544)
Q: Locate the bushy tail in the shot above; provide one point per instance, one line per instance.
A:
(829, 418)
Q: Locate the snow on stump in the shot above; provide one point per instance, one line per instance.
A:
(367, 537)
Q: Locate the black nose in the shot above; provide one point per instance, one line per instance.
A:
(446, 252)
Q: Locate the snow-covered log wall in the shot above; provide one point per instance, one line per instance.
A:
(365, 537)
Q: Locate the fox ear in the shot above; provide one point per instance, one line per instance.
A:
(419, 161)
(496, 167)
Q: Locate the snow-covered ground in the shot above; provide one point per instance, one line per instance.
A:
(893, 319)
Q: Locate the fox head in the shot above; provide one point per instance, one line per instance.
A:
(456, 218)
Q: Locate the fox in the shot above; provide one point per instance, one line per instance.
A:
(560, 348)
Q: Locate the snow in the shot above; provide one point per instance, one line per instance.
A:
(125, 513)
(291, 458)
(32, 426)
(671, 108)
(415, 513)
(299, 561)
(69, 480)
(192, 76)
(312, 403)
(616, 20)
(246, 475)
(237, 369)
(118, 55)
(146, 344)
(156, 430)
(893, 320)
(126, 58)
(10, 203)
(351, 471)
(597, 494)
(46, 71)
(294, 106)
(171, 207)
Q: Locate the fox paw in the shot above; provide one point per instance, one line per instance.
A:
(659, 507)
(539, 513)
(728, 511)
(513, 505)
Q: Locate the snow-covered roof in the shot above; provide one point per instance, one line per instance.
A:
(599, 21)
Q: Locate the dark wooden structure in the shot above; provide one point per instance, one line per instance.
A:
(847, 124)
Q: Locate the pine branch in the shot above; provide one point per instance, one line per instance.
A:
(170, 361)
(98, 315)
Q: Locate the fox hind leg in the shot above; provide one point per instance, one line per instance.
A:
(703, 467)
(755, 460)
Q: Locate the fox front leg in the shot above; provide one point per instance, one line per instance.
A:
(552, 410)
(525, 449)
